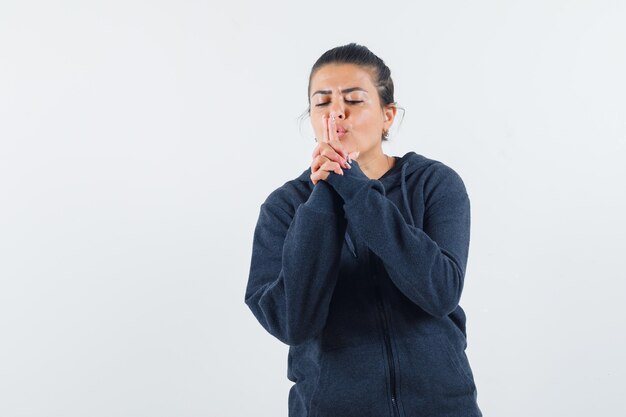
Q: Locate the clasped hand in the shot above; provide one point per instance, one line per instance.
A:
(330, 155)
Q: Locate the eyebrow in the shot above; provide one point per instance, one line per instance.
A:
(347, 90)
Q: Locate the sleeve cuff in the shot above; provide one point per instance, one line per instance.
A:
(352, 181)
(324, 199)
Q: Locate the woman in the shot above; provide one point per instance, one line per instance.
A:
(358, 264)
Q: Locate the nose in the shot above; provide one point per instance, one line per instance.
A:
(338, 110)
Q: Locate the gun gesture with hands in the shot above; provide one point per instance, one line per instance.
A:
(330, 155)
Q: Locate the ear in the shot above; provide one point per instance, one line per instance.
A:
(389, 114)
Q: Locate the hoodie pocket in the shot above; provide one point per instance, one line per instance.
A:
(432, 371)
(352, 382)
(459, 359)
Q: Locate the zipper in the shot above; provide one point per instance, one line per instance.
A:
(392, 373)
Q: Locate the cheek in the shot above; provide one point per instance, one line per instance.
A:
(318, 128)
(365, 120)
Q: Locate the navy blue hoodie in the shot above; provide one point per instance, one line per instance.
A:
(362, 279)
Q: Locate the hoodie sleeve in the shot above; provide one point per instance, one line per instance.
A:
(295, 263)
(427, 266)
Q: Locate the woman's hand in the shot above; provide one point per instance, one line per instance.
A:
(330, 154)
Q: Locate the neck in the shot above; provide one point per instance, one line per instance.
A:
(375, 165)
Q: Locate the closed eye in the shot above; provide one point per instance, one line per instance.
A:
(347, 101)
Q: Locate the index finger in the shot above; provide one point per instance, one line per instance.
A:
(334, 139)
(325, 137)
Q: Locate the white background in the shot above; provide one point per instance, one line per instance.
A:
(139, 138)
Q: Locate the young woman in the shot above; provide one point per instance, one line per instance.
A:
(359, 263)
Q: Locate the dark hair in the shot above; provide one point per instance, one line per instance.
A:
(353, 53)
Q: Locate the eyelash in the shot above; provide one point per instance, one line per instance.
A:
(348, 101)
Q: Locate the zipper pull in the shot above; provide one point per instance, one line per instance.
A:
(350, 244)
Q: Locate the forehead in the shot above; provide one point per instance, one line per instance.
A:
(341, 76)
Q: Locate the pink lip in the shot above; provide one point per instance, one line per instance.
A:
(341, 133)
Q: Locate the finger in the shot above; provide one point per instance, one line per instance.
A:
(318, 162)
(316, 176)
(328, 151)
(321, 164)
(325, 137)
(332, 128)
(323, 172)
(332, 166)
(334, 139)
